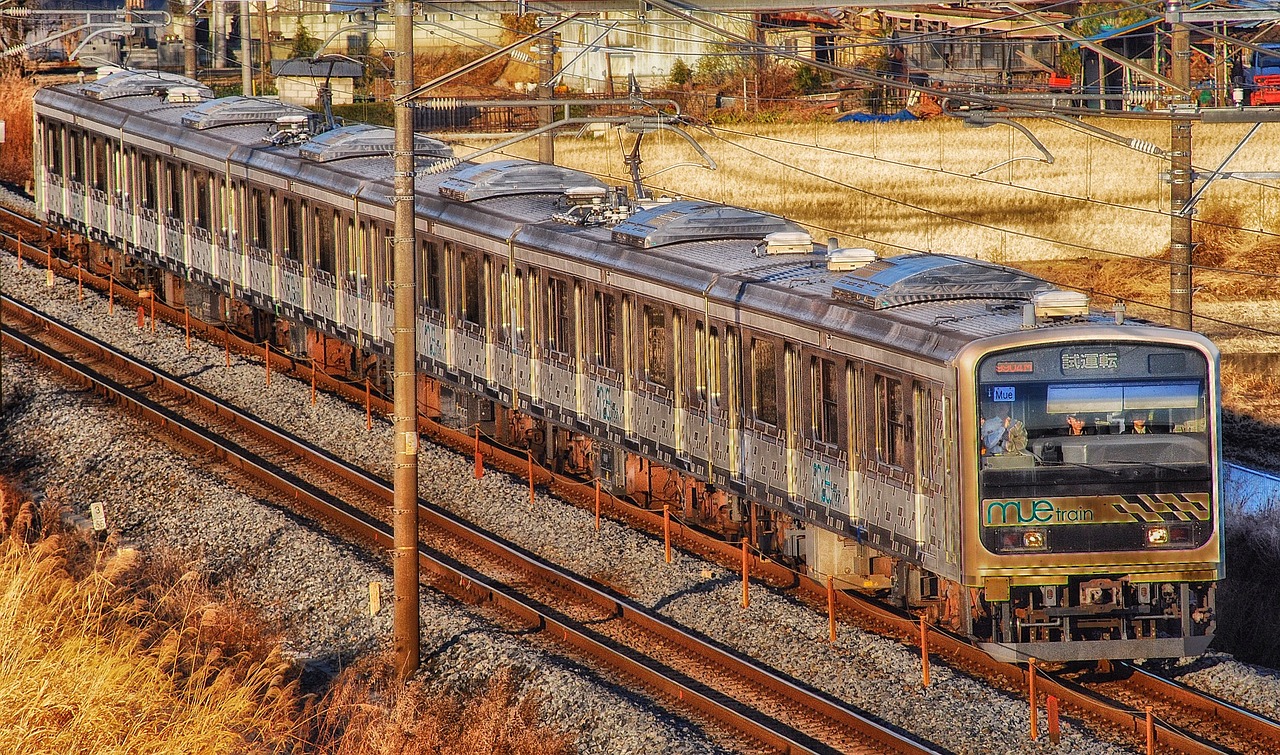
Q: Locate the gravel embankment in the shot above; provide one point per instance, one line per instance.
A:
(318, 589)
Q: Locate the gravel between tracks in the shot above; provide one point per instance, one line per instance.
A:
(317, 589)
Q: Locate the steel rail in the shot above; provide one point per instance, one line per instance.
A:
(479, 588)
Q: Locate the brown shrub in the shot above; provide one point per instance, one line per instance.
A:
(15, 109)
(368, 712)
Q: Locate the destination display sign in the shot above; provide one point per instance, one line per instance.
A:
(1076, 361)
(1102, 509)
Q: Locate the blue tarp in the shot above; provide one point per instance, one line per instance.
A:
(901, 115)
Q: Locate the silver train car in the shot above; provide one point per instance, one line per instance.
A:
(1036, 474)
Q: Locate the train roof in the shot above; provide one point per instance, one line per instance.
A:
(926, 305)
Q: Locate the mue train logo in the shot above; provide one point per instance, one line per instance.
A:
(1103, 509)
(1002, 513)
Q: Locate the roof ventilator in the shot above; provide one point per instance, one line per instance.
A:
(851, 258)
(786, 242)
(1057, 304)
(184, 94)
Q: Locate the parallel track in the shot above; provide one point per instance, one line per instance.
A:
(752, 701)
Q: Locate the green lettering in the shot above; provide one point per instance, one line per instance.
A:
(1004, 507)
(1041, 511)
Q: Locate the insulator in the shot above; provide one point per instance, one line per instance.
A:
(444, 165)
(1144, 146)
(1142, 96)
(440, 103)
(520, 56)
(15, 12)
(16, 50)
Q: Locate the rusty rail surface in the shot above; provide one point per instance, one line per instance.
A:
(854, 730)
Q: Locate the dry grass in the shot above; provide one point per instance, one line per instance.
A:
(122, 654)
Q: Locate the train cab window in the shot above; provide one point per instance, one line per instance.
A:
(203, 200)
(826, 402)
(148, 193)
(890, 421)
(472, 302)
(764, 381)
(560, 316)
(608, 340)
(657, 347)
(326, 239)
(173, 183)
(292, 229)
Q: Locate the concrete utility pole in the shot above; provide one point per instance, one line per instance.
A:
(1180, 171)
(246, 51)
(404, 362)
(189, 43)
(546, 90)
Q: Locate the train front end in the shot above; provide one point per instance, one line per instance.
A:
(1092, 525)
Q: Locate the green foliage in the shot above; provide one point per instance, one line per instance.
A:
(1094, 17)
(681, 73)
(720, 66)
(377, 113)
(304, 45)
(810, 80)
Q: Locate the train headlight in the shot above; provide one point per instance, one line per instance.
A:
(1033, 539)
(1024, 540)
(1157, 536)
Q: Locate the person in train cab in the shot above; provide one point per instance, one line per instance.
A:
(1076, 426)
(1137, 424)
(995, 429)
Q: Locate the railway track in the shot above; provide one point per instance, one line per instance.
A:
(1205, 725)
(757, 704)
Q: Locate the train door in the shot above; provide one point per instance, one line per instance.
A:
(792, 391)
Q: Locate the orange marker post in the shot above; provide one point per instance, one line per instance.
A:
(479, 470)
(368, 405)
(530, 452)
(153, 311)
(924, 658)
(597, 504)
(1151, 732)
(142, 317)
(831, 607)
(186, 326)
(1055, 733)
(226, 342)
(666, 531)
(1031, 696)
(746, 570)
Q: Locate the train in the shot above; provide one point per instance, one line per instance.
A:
(1033, 471)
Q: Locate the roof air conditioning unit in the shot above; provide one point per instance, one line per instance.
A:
(844, 260)
(184, 94)
(1061, 304)
(788, 242)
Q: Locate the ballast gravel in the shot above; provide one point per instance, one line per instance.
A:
(81, 452)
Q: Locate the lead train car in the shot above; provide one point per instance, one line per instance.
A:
(828, 405)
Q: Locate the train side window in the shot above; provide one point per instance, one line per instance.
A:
(504, 302)
(203, 200)
(925, 440)
(608, 343)
(534, 321)
(75, 144)
(53, 148)
(560, 316)
(387, 250)
(854, 417)
(429, 274)
(519, 320)
(701, 379)
(714, 362)
(890, 421)
(173, 184)
(147, 182)
(826, 401)
(261, 218)
(98, 174)
(472, 309)
(764, 381)
(657, 346)
(292, 229)
(351, 249)
(326, 243)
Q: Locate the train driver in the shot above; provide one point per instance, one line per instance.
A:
(995, 429)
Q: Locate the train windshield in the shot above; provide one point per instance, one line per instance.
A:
(1098, 413)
